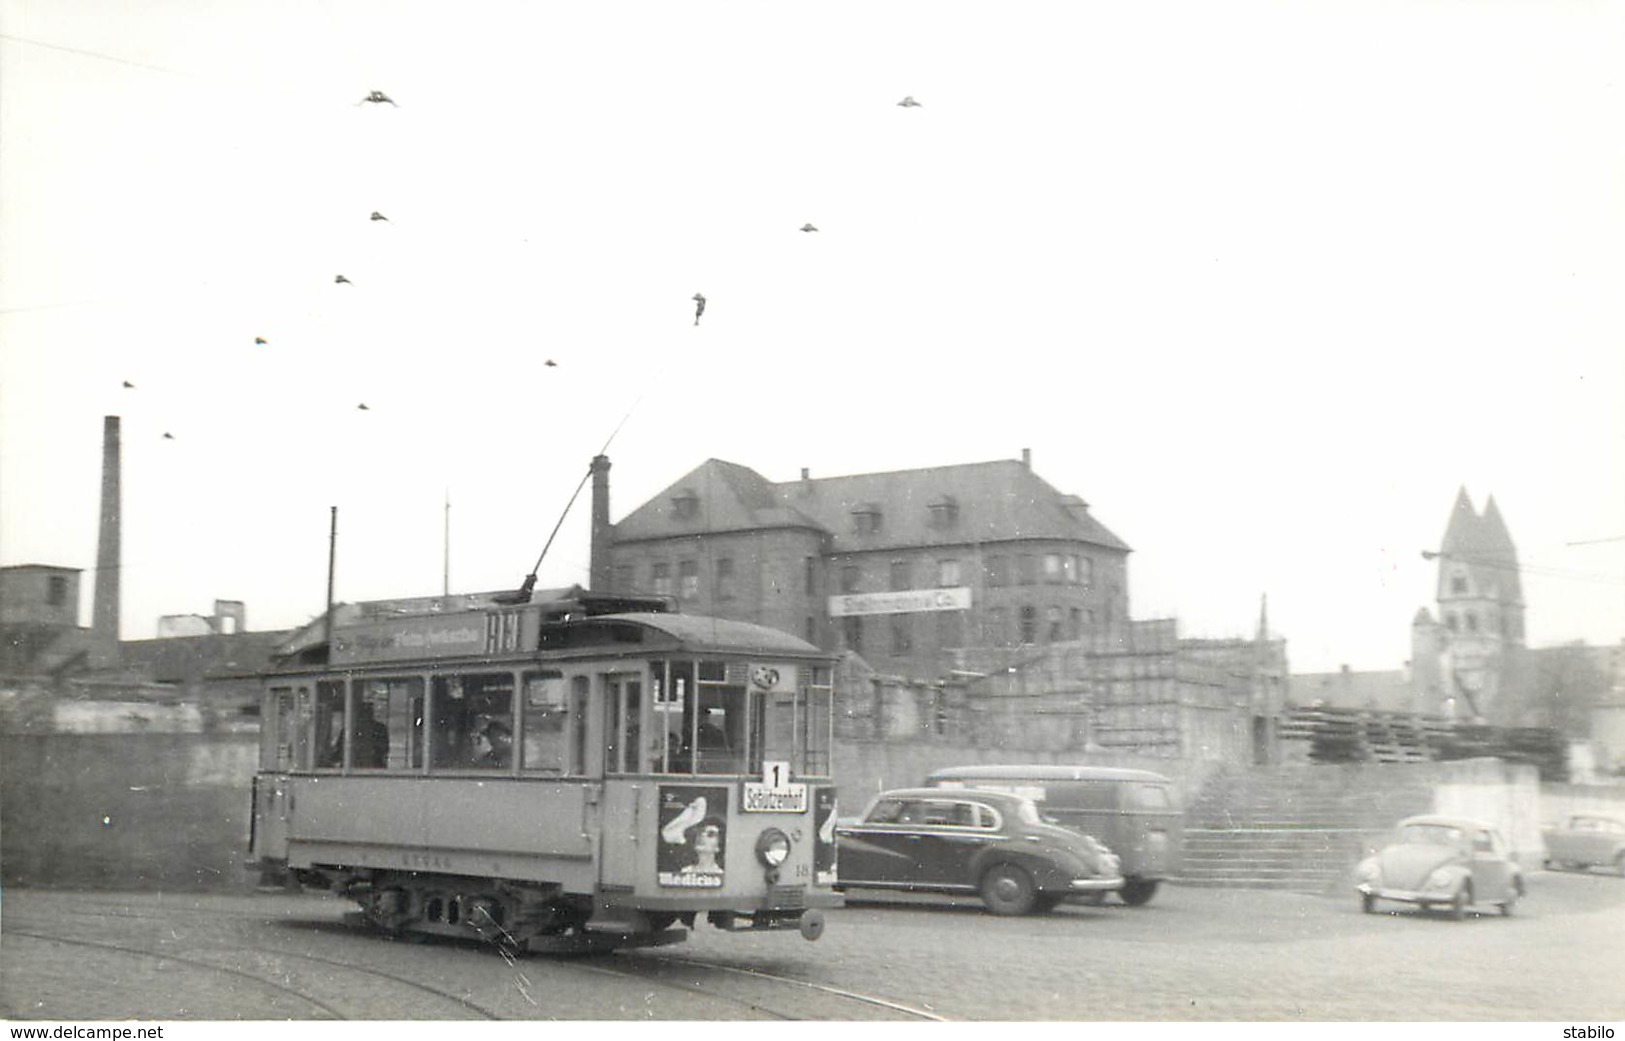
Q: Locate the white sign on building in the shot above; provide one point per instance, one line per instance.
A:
(905, 601)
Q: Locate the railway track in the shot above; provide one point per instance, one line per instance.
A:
(335, 982)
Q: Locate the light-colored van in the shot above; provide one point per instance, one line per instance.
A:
(1134, 812)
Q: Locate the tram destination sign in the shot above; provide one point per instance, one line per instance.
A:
(906, 601)
(774, 793)
(503, 631)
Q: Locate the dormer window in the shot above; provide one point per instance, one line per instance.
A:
(866, 519)
(1458, 584)
(944, 512)
(685, 505)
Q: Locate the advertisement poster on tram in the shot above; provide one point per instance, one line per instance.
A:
(693, 833)
(824, 848)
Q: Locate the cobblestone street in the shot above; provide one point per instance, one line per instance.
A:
(1191, 955)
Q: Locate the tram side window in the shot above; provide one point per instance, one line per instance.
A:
(388, 723)
(329, 737)
(546, 746)
(473, 721)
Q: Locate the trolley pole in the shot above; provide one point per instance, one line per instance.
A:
(332, 546)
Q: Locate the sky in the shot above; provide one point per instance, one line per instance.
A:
(1264, 283)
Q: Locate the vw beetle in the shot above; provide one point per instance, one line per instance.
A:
(1442, 861)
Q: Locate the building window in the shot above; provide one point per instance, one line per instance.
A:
(901, 575)
(1053, 616)
(1052, 568)
(944, 512)
(624, 580)
(688, 579)
(725, 578)
(1450, 622)
(685, 505)
(810, 575)
(998, 571)
(902, 635)
(1075, 616)
(853, 631)
(1069, 570)
(56, 591)
(1458, 584)
(866, 519)
(995, 634)
(1086, 570)
(1026, 569)
(850, 578)
(1472, 622)
(660, 579)
(947, 573)
(1029, 625)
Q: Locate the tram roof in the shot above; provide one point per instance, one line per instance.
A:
(705, 633)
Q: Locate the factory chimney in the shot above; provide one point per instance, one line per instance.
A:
(104, 618)
(598, 568)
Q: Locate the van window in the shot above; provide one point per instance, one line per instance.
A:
(1092, 796)
(1149, 797)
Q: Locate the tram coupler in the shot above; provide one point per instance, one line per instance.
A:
(809, 923)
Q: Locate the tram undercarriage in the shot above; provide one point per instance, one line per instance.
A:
(538, 918)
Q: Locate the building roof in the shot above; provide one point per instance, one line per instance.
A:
(182, 659)
(990, 502)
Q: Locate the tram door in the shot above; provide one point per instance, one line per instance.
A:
(623, 835)
(284, 746)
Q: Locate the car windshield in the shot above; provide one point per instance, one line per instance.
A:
(1430, 835)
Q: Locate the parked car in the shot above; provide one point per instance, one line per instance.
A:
(1453, 862)
(993, 844)
(1586, 840)
(1135, 812)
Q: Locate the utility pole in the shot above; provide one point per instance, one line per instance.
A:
(332, 547)
(445, 551)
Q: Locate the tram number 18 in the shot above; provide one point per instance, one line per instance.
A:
(501, 632)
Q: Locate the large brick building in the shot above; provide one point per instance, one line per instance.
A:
(904, 568)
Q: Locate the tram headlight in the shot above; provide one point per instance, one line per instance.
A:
(772, 847)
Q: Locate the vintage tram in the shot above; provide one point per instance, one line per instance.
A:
(570, 772)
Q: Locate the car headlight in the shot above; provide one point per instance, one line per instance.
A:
(1439, 879)
(1369, 870)
(772, 847)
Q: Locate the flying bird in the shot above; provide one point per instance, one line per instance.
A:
(128, 385)
(377, 216)
(699, 307)
(363, 407)
(550, 363)
(377, 97)
(808, 227)
(260, 340)
(341, 278)
(909, 102)
(168, 436)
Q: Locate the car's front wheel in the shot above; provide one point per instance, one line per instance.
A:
(1137, 892)
(1008, 890)
(1458, 904)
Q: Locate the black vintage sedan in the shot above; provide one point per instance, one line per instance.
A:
(968, 841)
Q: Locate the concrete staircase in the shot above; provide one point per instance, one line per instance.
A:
(1300, 828)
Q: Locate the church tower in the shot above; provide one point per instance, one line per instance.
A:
(1480, 608)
